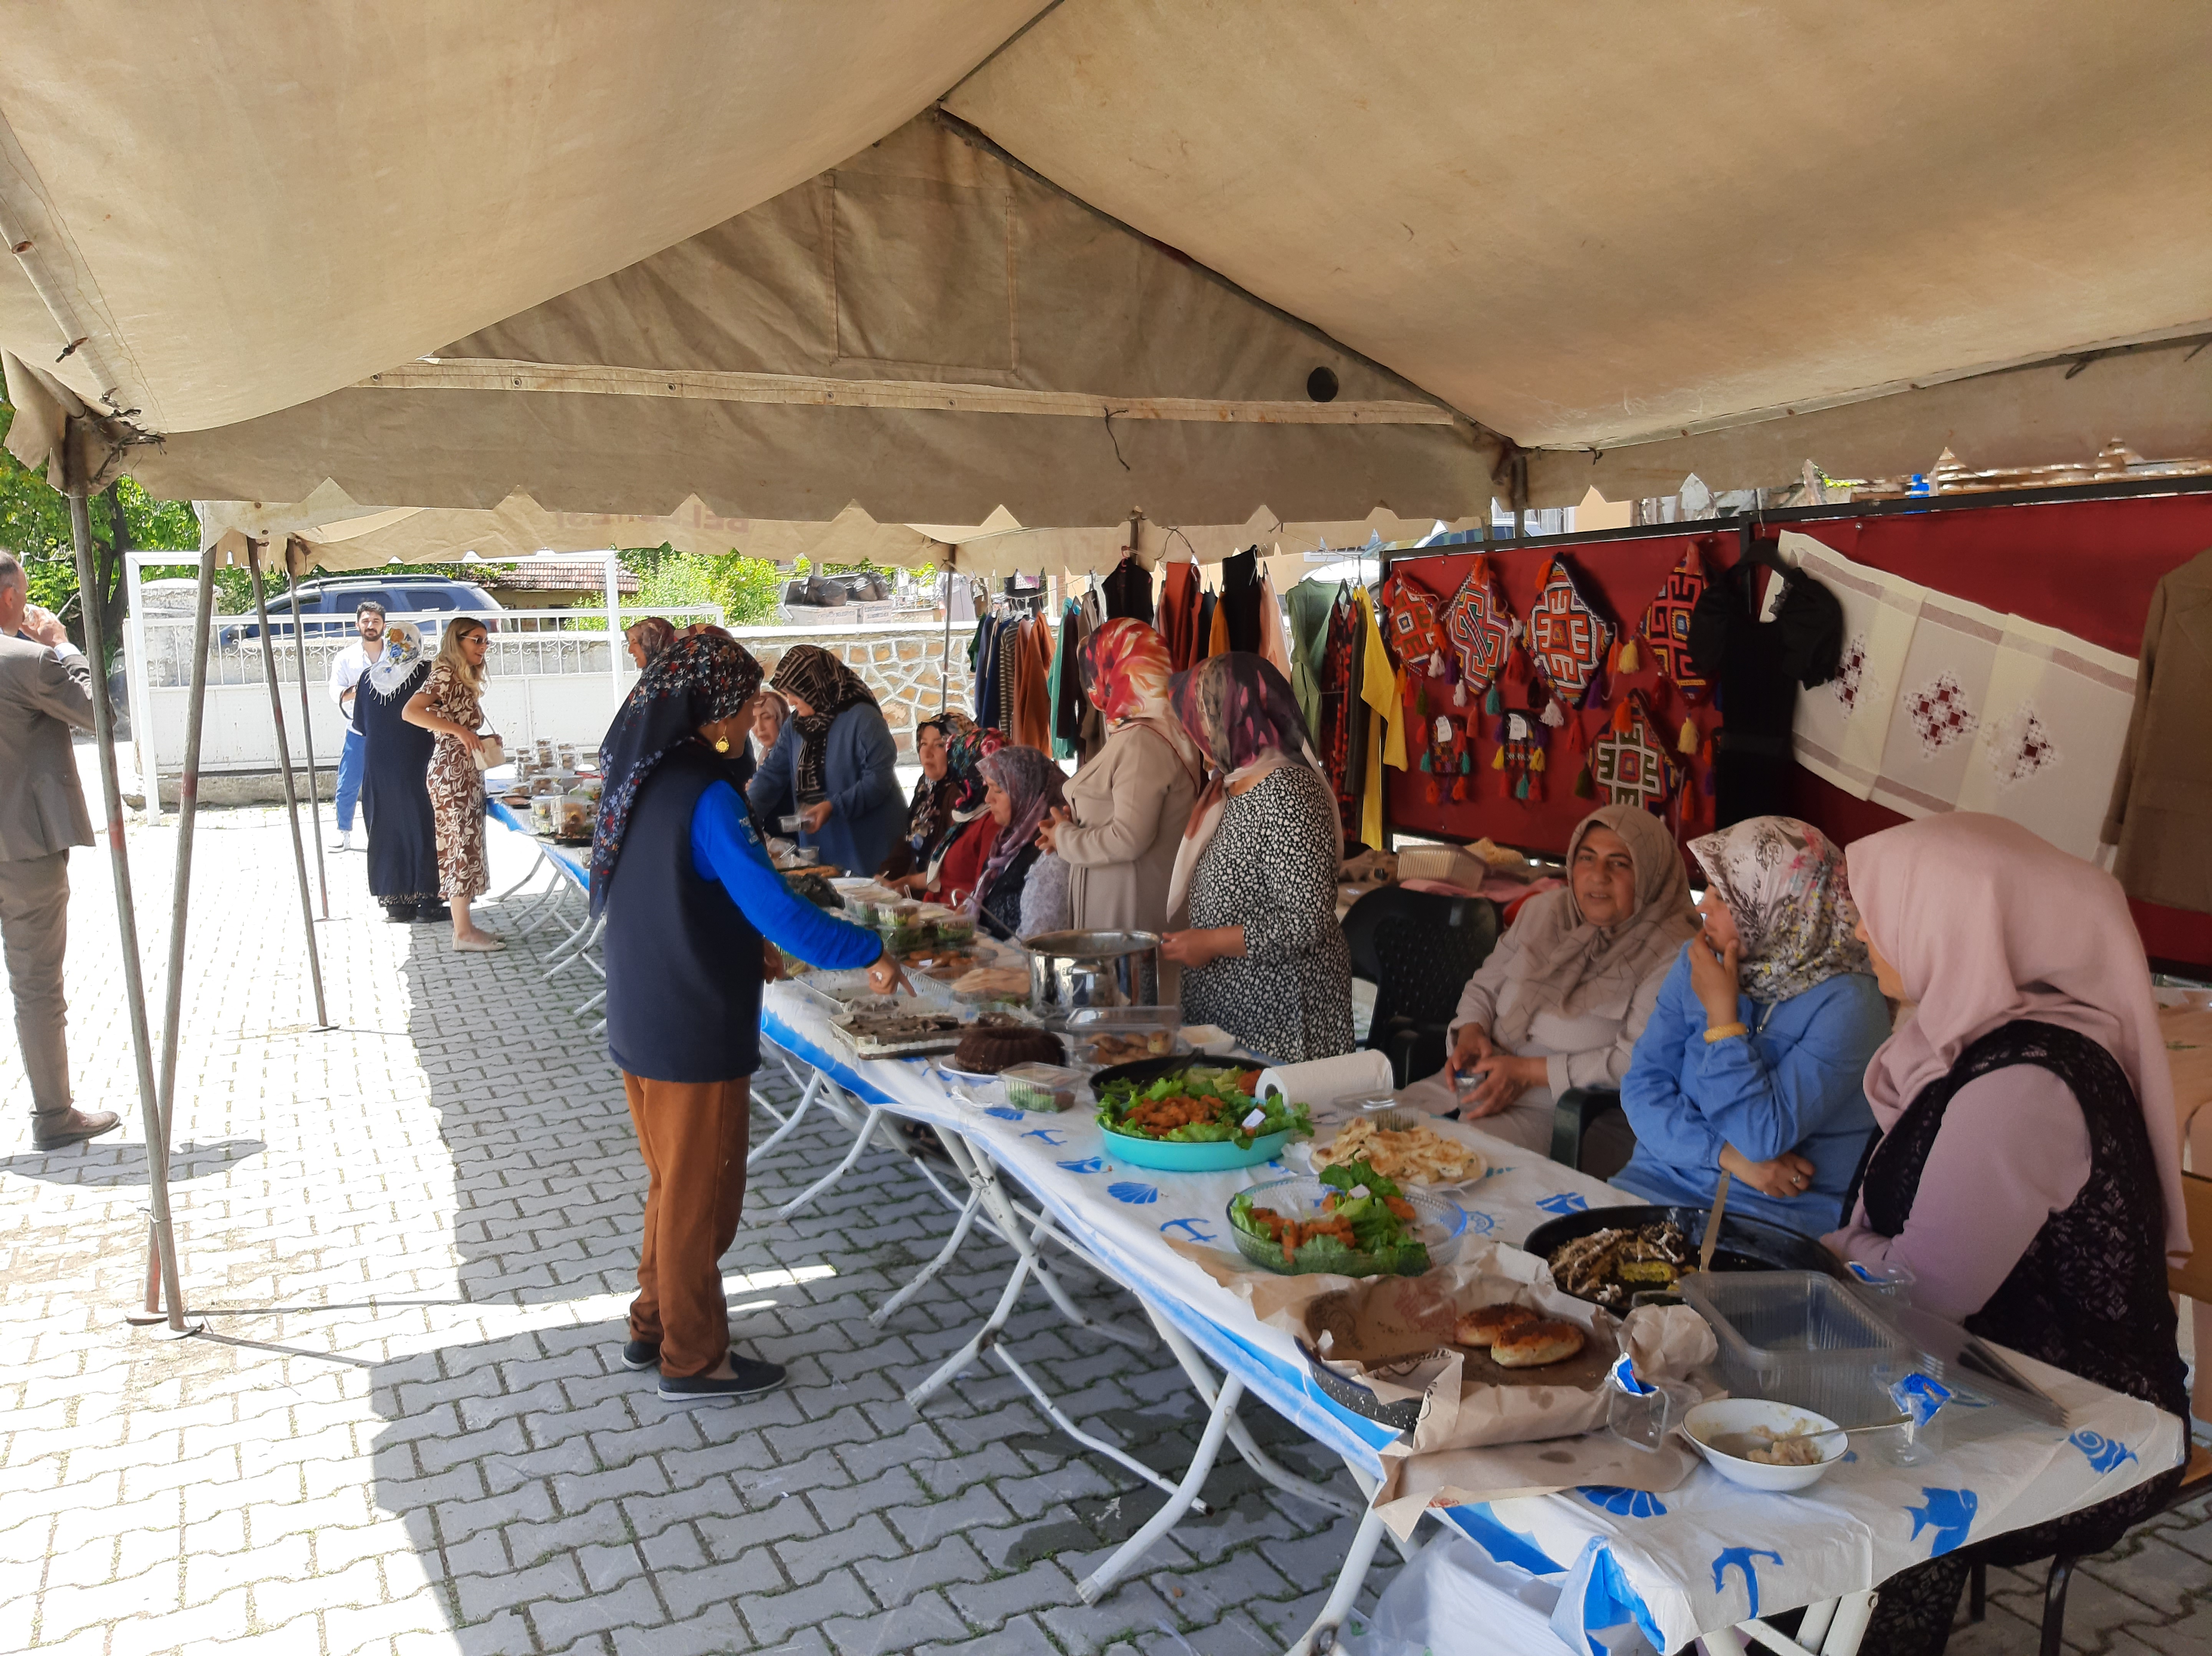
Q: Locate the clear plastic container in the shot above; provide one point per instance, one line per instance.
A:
(1891, 1282)
(1040, 1086)
(1799, 1337)
(1111, 1035)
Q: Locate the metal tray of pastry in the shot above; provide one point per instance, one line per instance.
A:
(946, 1025)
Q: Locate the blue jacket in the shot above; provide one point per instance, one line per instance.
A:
(1796, 1083)
(869, 817)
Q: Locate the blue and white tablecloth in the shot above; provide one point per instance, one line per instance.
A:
(1703, 1555)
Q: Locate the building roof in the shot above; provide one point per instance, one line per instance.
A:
(555, 575)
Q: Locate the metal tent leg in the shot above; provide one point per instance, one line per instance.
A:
(285, 762)
(1321, 1635)
(307, 728)
(188, 786)
(118, 860)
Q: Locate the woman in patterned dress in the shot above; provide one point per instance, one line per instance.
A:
(1264, 957)
(450, 704)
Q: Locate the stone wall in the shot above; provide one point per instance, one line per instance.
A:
(900, 664)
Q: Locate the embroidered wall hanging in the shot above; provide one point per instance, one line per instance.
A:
(1666, 624)
(1629, 763)
(1417, 634)
(1482, 630)
(1568, 636)
(1520, 757)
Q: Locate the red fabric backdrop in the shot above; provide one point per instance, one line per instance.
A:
(2086, 566)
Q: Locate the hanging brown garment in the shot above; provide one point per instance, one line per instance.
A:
(1179, 604)
(1217, 626)
(1032, 720)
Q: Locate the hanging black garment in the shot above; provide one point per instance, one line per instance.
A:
(2090, 1295)
(1129, 592)
(1240, 599)
(1068, 709)
(1207, 606)
(1758, 667)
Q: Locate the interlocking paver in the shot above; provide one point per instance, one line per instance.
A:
(407, 1434)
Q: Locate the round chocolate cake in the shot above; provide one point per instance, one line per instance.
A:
(985, 1051)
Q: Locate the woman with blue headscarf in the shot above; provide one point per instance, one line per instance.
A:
(691, 903)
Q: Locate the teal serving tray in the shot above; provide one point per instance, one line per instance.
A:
(1165, 1156)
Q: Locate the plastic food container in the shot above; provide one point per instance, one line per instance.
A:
(1112, 1035)
(1040, 1086)
(572, 812)
(1798, 1337)
(541, 812)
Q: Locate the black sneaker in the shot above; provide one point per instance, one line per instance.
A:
(433, 911)
(749, 1378)
(400, 913)
(640, 1354)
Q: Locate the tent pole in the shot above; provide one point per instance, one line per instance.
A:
(284, 763)
(944, 649)
(614, 625)
(188, 786)
(118, 860)
(307, 725)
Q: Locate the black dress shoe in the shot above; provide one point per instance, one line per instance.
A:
(401, 913)
(749, 1379)
(74, 1128)
(433, 911)
(640, 1354)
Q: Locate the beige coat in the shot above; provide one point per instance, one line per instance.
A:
(2162, 797)
(1130, 806)
(43, 693)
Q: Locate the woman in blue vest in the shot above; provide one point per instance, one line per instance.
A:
(693, 907)
(836, 755)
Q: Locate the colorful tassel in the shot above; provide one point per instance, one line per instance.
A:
(1585, 785)
(1552, 715)
(1459, 789)
(1687, 741)
(1459, 695)
(1521, 788)
(1536, 761)
(1497, 759)
(1631, 660)
(1435, 794)
(1493, 702)
(1426, 765)
(1613, 658)
(1622, 718)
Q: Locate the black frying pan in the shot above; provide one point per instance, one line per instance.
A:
(1745, 1244)
(1146, 1071)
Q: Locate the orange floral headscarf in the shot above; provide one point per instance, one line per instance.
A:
(1125, 671)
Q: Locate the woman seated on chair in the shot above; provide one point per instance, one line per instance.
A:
(2029, 1170)
(1564, 996)
(1753, 1059)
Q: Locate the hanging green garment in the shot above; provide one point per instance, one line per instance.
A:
(1308, 601)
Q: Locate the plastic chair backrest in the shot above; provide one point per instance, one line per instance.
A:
(1419, 949)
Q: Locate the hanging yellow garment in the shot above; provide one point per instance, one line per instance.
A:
(1386, 722)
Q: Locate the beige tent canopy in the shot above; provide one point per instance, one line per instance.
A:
(710, 250)
(335, 532)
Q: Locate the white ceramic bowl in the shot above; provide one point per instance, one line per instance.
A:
(1726, 1416)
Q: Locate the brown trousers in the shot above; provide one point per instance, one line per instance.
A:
(694, 1135)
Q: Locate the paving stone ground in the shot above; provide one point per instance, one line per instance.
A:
(405, 1429)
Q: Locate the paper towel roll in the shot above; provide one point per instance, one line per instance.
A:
(1331, 1080)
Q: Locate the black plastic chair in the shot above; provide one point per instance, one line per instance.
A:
(1573, 1114)
(1419, 949)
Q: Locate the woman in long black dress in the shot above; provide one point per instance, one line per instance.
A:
(403, 836)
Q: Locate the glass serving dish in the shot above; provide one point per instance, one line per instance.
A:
(1441, 1225)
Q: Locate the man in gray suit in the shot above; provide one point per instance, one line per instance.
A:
(45, 687)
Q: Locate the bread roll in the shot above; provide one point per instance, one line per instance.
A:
(1532, 1345)
(1483, 1325)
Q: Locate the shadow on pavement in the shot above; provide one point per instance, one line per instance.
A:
(98, 1162)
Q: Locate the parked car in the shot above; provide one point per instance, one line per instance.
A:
(423, 597)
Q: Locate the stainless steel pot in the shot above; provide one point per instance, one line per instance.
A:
(1073, 969)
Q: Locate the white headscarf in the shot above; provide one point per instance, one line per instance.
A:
(403, 653)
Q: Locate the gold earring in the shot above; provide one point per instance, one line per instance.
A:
(721, 744)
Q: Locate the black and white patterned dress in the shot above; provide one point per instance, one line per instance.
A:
(1271, 867)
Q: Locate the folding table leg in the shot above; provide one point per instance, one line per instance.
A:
(976, 1164)
(1113, 1453)
(528, 874)
(922, 1278)
(1813, 1628)
(1853, 1612)
(785, 1124)
(861, 1141)
(1104, 1580)
(1265, 1466)
(1321, 1637)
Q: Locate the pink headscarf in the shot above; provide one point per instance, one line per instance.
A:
(1987, 923)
